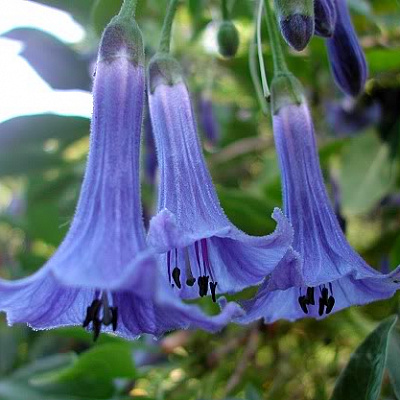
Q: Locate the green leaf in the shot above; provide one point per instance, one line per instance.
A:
(10, 339)
(23, 141)
(250, 213)
(43, 365)
(17, 385)
(393, 362)
(195, 8)
(362, 377)
(93, 373)
(383, 60)
(367, 173)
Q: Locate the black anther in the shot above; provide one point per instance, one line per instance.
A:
(96, 329)
(114, 317)
(303, 304)
(202, 281)
(213, 286)
(176, 274)
(330, 305)
(88, 318)
(321, 306)
(324, 294)
(92, 312)
(310, 296)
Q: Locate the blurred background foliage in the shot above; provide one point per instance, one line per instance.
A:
(42, 159)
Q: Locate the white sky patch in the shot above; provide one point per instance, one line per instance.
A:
(34, 15)
(22, 90)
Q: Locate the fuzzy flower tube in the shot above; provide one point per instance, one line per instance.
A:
(321, 273)
(103, 276)
(199, 247)
(200, 250)
(324, 272)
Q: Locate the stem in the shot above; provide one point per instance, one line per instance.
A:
(225, 12)
(128, 9)
(255, 77)
(165, 41)
(274, 37)
(260, 54)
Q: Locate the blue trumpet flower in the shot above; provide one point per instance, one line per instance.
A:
(322, 274)
(195, 239)
(346, 56)
(103, 275)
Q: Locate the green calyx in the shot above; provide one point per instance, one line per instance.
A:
(286, 90)
(287, 8)
(228, 39)
(164, 69)
(122, 38)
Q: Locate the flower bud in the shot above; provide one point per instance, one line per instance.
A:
(325, 17)
(346, 56)
(296, 21)
(228, 39)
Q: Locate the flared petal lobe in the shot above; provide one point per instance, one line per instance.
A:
(44, 303)
(284, 304)
(346, 56)
(196, 240)
(322, 274)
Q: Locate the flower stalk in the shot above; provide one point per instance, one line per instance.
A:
(280, 66)
(224, 9)
(165, 42)
(128, 9)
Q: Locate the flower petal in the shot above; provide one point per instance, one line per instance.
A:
(167, 312)
(42, 302)
(284, 304)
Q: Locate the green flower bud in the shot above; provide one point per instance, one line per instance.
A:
(228, 39)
